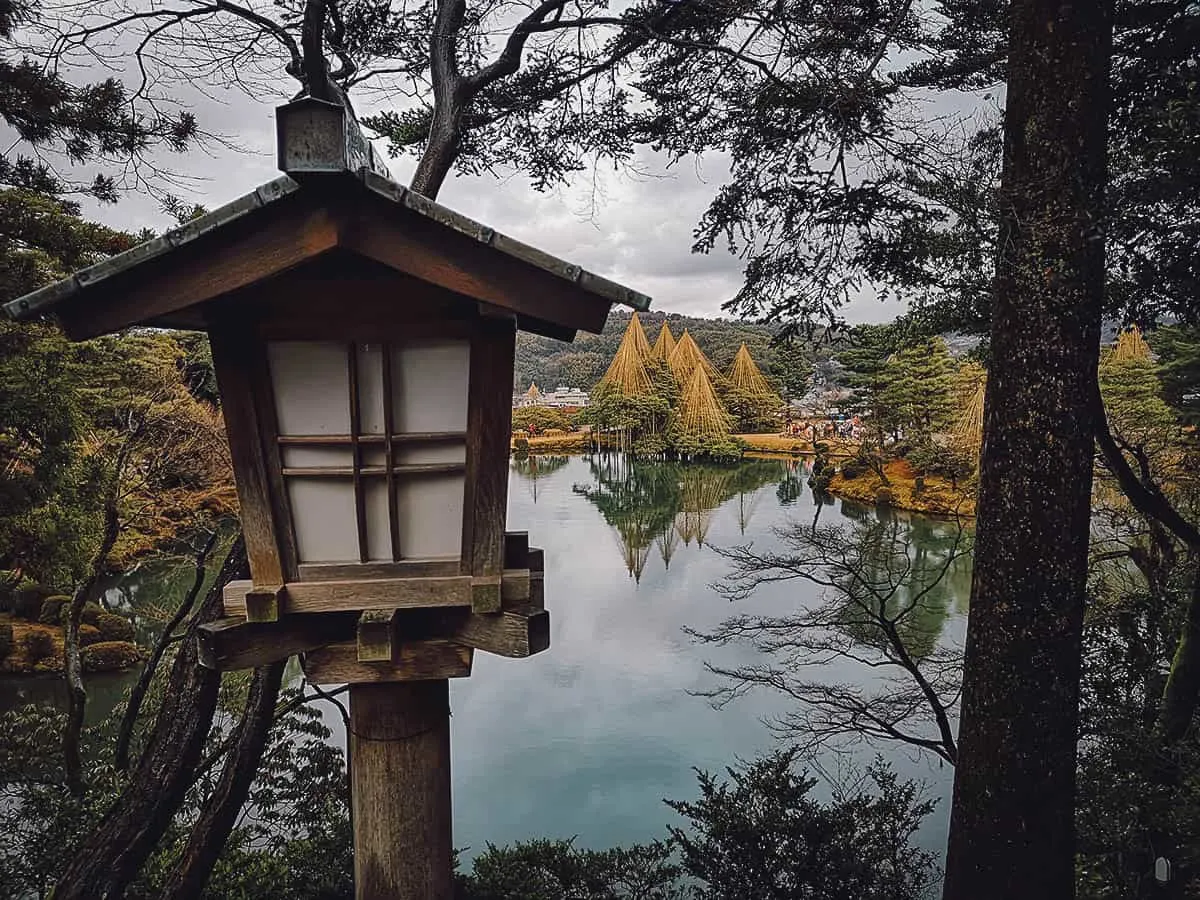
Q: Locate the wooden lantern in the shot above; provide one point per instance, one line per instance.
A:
(363, 341)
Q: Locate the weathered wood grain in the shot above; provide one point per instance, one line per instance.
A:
(489, 426)
(334, 596)
(262, 603)
(407, 568)
(233, 643)
(236, 354)
(413, 661)
(376, 635)
(228, 259)
(399, 747)
(512, 633)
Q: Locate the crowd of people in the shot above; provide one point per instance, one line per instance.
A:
(846, 428)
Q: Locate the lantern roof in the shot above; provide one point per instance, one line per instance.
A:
(323, 211)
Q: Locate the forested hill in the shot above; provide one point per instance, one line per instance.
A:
(551, 363)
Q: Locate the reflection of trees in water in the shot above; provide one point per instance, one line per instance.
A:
(664, 503)
(887, 580)
(532, 468)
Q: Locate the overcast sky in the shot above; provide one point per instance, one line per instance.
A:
(633, 228)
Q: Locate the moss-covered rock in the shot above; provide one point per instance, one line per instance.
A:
(91, 613)
(114, 628)
(39, 645)
(52, 609)
(108, 656)
(6, 639)
(89, 634)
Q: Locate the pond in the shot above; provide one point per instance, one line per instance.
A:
(587, 738)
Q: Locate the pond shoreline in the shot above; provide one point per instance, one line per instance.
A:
(935, 495)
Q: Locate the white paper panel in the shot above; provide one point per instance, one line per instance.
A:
(312, 386)
(374, 455)
(430, 514)
(323, 515)
(429, 386)
(299, 456)
(370, 388)
(411, 454)
(379, 535)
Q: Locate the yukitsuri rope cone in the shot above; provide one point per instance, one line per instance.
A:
(533, 393)
(627, 371)
(664, 345)
(686, 358)
(700, 412)
(746, 376)
(967, 435)
(1131, 345)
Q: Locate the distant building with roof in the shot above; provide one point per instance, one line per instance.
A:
(560, 398)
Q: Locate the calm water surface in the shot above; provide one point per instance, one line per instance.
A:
(587, 738)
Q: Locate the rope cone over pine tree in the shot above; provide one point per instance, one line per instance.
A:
(665, 344)
(686, 358)
(1130, 345)
(700, 412)
(627, 372)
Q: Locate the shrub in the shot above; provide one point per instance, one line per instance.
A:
(521, 446)
(53, 609)
(39, 645)
(27, 601)
(88, 635)
(114, 628)
(852, 468)
(542, 418)
(6, 639)
(885, 497)
(107, 656)
(91, 613)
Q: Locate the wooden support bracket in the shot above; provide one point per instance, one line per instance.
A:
(413, 661)
(371, 593)
(234, 643)
(377, 635)
(516, 549)
(486, 593)
(510, 633)
(262, 604)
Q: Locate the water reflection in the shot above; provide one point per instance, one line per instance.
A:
(663, 504)
(587, 738)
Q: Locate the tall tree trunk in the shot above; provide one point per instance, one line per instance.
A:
(449, 100)
(112, 854)
(1012, 822)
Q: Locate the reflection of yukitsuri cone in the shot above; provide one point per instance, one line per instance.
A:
(700, 412)
(664, 345)
(627, 371)
(1131, 345)
(686, 358)
(636, 539)
(746, 510)
(667, 542)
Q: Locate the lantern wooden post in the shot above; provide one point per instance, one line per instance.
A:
(399, 747)
(363, 341)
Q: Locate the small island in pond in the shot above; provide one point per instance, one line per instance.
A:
(32, 638)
